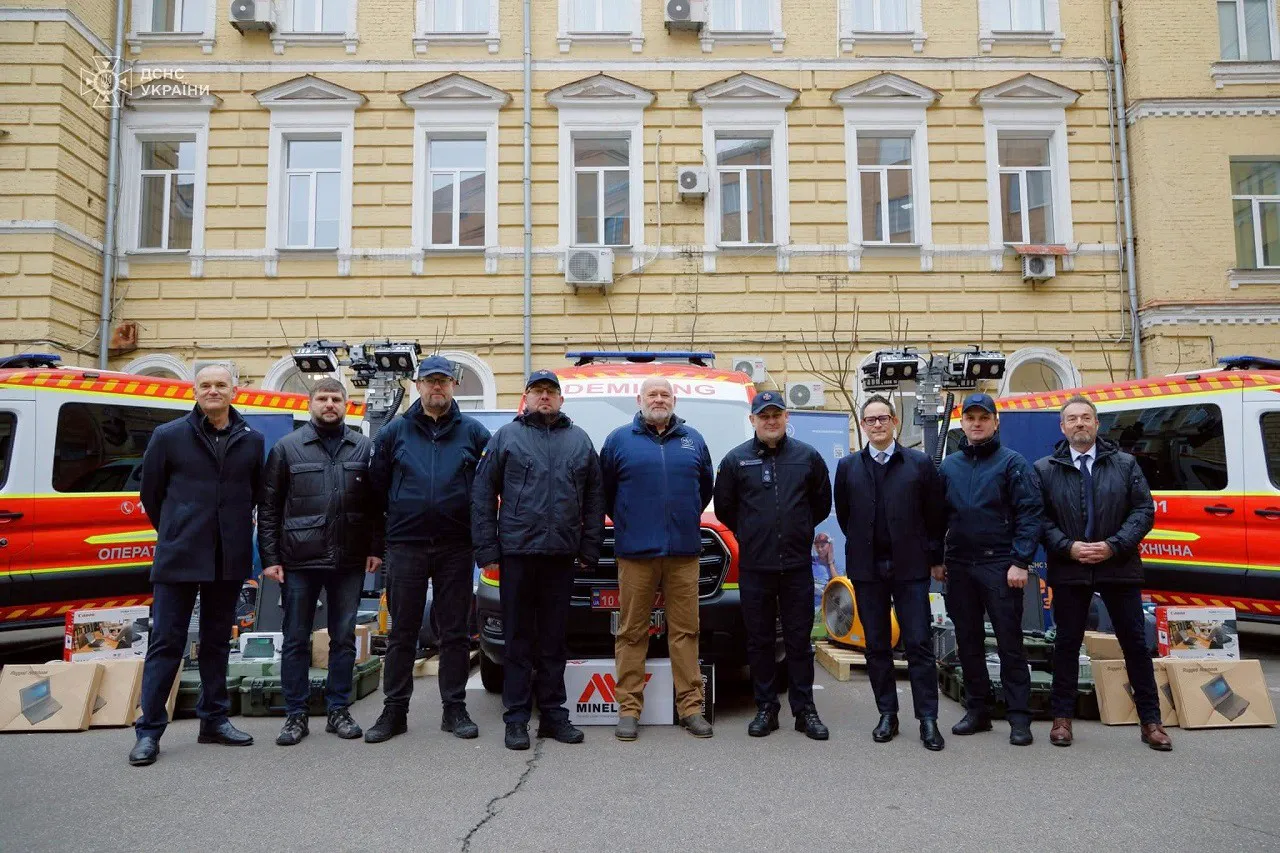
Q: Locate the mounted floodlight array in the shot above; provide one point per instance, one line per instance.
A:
(966, 368)
(319, 357)
(400, 357)
(891, 368)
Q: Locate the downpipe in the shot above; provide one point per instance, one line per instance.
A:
(1117, 62)
(113, 195)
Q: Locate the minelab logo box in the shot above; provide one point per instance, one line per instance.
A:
(592, 692)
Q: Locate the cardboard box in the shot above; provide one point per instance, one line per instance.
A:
(52, 697)
(1100, 646)
(320, 646)
(1220, 693)
(114, 633)
(261, 645)
(119, 693)
(1197, 633)
(590, 687)
(1115, 695)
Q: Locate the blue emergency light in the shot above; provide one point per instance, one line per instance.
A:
(641, 356)
(1249, 362)
(31, 359)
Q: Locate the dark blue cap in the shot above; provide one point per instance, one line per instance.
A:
(979, 401)
(765, 399)
(431, 365)
(542, 376)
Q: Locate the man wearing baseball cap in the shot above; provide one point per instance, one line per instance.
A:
(421, 470)
(772, 491)
(550, 518)
(993, 528)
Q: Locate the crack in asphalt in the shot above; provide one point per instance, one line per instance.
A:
(491, 809)
(1256, 829)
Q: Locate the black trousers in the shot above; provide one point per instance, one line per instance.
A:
(1070, 612)
(450, 568)
(766, 597)
(535, 592)
(910, 599)
(970, 591)
(170, 620)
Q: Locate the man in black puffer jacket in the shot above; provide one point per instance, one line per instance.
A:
(422, 468)
(1097, 508)
(318, 530)
(993, 530)
(547, 473)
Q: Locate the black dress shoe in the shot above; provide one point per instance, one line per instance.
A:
(930, 736)
(517, 736)
(1020, 733)
(811, 724)
(887, 728)
(458, 721)
(391, 722)
(224, 733)
(144, 752)
(971, 724)
(766, 720)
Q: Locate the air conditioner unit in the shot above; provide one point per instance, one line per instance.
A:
(752, 365)
(252, 15)
(692, 182)
(806, 395)
(592, 267)
(1039, 267)
(201, 363)
(685, 14)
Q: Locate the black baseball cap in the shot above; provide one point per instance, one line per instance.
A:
(435, 364)
(542, 376)
(979, 401)
(765, 399)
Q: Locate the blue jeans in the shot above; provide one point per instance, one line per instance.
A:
(301, 589)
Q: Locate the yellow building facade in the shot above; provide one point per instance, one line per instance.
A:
(860, 173)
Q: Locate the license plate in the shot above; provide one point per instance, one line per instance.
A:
(609, 598)
(657, 623)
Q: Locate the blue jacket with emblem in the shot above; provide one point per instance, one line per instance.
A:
(993, 506)
(655, 488)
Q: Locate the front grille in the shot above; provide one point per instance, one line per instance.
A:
(713, 564)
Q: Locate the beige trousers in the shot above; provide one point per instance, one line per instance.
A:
(638, 581)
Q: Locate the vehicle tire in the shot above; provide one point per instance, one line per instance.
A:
(490, 674)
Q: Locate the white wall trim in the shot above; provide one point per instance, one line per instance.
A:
(1052, 34)
(58, 16)
(286, 36)
(1264, 276)
(1242, 314)
(54, 227)
(158, 361)
(1206, 107)
(140, 34)
(1068, 374)
(775, 36)
(1231, 73)
(567, 32)
(478, 366)
(424, 36)
(850, 35)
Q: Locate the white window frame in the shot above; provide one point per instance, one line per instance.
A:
(851, 35)
(1227, 72)
(775, 36)
(150, 118)
(569, 32)
(471, 362)
(1021, 172)
(744, 172)
(141, 34)
(1254, 202)
(313, 175)
(575, 170)
(160, 365)
(601, 106)
(286, 34)
(308, 108)
(425, 36)
(1063, 368)
(1052, 34)
(454, 106)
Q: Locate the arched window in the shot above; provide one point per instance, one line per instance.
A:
(160, 366)
(1033, 369)
(284, 375)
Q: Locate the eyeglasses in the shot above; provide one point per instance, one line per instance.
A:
(873, 420)
(436, 380)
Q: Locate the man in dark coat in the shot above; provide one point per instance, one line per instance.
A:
(551, 519)
(771, 492)
(1097, 508)
(993, 530)
(319, 530)
(890, 505)
(422, 468)
(201, 478)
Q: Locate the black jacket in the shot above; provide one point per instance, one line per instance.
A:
(202, 507)
(914, 505)
(552, 495)
(773, 521)
(422, 474)
(993, 506)
(1123, 514)
(317, 510)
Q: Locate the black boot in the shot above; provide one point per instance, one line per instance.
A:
(561, 730)
(517, 736)
(972, 723)
(341, 724)
(811, 724)
(224, 733)
(296, 727)
(390, 723)
(458, 721)
(766, 721)
(930, 736)
(887, 728)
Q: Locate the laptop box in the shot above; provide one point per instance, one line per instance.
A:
(54, 697)
(1220, 693)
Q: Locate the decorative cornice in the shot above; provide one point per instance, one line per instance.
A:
(1203, 107)
(50, 226)
(309, 92)
(1218, 314)
(1027, 90)
(455, 90)
(60, 16)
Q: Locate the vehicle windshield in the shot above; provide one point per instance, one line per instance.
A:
(723, 423)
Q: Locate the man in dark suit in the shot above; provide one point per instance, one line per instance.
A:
(891, 507)
(201, 478)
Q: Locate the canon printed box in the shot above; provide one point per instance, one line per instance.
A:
(111, 633)
(1199, 633)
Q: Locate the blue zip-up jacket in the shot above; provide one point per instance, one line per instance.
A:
(422, 476)
(994, 510)
(655, 488)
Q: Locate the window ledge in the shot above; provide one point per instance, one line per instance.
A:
(1267, 275)
(279, 41)
(566, 40)
(424, 40)
(159, 255)
(988, 40)
(710, 37)
(136, 40)
(916, 39)
(1234, 72)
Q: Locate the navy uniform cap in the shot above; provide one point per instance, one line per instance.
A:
(979, 401)
(543, 376)
(435, 364)
(765, 399)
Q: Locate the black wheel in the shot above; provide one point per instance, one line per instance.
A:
(490, 674)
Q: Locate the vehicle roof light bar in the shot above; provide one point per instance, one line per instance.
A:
(1249, 362)
(702, 359)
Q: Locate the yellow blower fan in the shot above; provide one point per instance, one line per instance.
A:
(840, 615)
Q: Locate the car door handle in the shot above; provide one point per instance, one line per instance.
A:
(1219, 509)
(6, 516)
(1269, 512)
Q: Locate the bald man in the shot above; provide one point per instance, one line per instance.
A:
(201, 478)
(657, 481)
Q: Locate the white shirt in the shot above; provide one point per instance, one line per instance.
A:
(888, 452)
(1090, 454)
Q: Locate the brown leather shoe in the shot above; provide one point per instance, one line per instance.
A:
(1154, 736)
(1060, 734)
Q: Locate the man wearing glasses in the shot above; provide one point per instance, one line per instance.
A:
(890, 505)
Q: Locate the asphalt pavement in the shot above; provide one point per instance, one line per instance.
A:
(427, 790)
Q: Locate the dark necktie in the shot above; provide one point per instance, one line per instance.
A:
(1087, 476)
